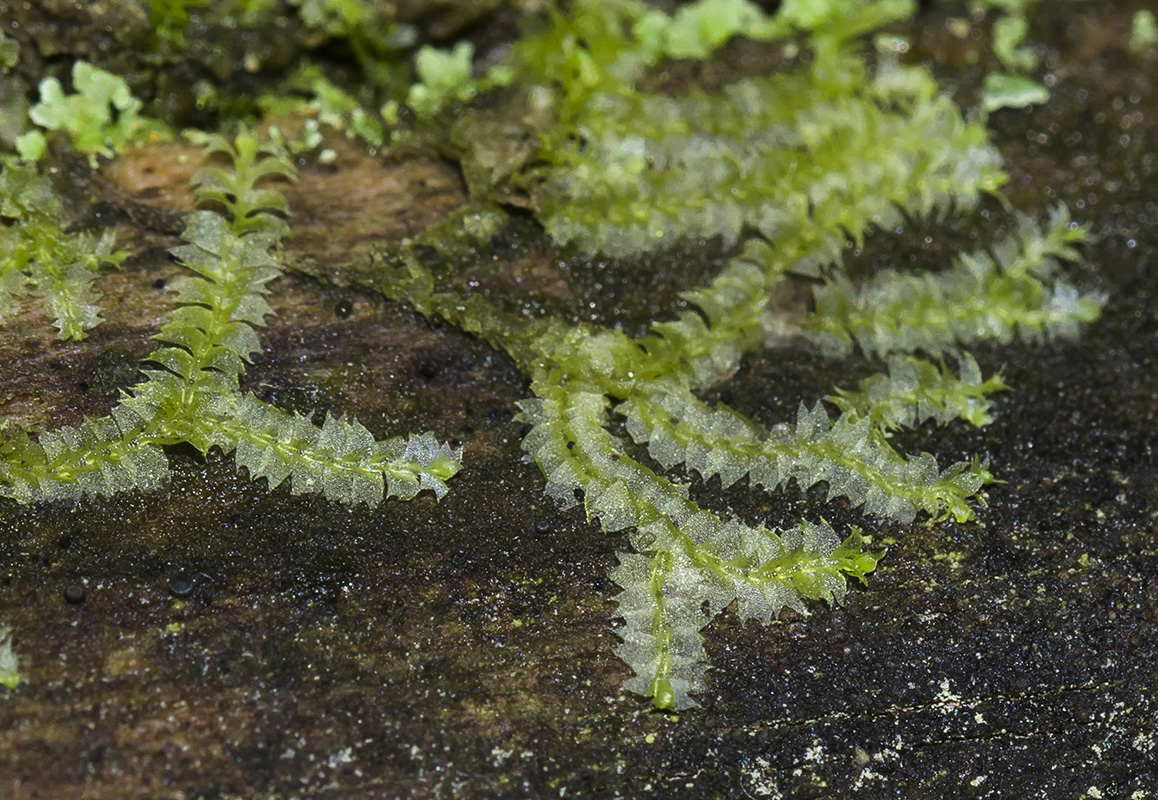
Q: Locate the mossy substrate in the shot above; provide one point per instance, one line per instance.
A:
(215, 640)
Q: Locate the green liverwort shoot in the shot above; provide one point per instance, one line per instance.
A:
(443, 75)
(1011, 91)
(1143, 33)
(102, 116)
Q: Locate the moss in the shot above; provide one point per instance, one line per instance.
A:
(783, 171)
(10, 674)
(194, 397)
(43, 259)
(797, 164)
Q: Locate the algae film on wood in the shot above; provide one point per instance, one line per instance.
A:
(785, 171)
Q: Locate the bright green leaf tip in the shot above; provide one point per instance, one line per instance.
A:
(101, 116)
(1000, 90)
